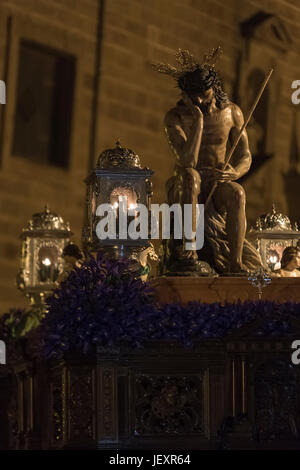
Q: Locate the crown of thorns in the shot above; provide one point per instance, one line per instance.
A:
(188, 63)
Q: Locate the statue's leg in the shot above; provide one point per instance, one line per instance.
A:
(231, 197)
(191, 190)
(172, 190)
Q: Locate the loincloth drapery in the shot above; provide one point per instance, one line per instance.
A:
(215, 232)
(214, 224)
(216, 237)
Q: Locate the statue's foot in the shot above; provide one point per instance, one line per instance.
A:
(238, 268)
(190, 268)
(190, 255)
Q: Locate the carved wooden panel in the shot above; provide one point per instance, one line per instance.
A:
(168, 404)
(107, 404)
(81, 403)
(277, 401)
(57, 410)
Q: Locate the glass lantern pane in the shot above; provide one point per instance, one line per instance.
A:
(125, 192)
(274, 250)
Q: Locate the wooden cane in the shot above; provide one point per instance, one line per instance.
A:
(227, 159)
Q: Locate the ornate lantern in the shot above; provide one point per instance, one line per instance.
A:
(43, 241)
(118, 174)
(272, 233)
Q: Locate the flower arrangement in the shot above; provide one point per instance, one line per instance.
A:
(17, 329)
(98, 304)
(10, 324)
(102, 304)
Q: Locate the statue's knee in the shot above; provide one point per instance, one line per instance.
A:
(193, 178)
(237, 193)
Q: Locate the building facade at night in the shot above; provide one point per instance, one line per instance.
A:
(78, 77)
(78, 90)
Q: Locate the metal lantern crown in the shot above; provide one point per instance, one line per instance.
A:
(43, 241)
(118, 173)
(272, 233)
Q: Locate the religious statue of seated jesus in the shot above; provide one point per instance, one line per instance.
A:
(200, 129)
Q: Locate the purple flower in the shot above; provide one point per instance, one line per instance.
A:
(101, 304)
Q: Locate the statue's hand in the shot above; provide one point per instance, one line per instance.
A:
(194, 109)
(225, 175)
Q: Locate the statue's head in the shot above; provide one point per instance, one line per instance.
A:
(290, 255)
(197, 79)
(205, 84)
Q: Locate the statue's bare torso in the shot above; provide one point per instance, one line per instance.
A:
(216, 134)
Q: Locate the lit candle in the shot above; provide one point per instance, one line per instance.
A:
(123, 199)
(45, 270)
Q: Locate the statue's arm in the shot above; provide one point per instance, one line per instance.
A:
(241, 159)
(186, 148)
